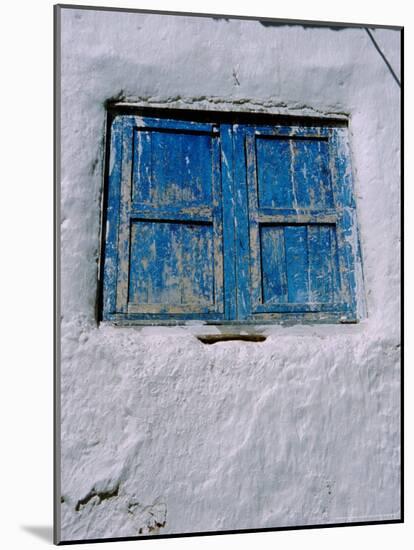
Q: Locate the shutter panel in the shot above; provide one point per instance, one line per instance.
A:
(170, 249)
(297, 222)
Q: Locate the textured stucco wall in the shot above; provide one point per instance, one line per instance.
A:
(161, 433)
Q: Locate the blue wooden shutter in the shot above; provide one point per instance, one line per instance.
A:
(228, 222)
(164, 244)
(301, 222)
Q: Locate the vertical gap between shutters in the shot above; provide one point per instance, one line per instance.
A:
(213, 195)
(233, 187)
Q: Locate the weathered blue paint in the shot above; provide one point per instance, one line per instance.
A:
(170, 168)
(347, 238)
(171, 264)
(322, 263)
(169, 244)
(241, 202)
(229, 221)
(217, 214)
(274, 178)
(297, 218)
(274, 282)
(124, 213)
(222, 222)
(112, 220)
(298, 264)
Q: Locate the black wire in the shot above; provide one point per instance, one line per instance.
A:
(383, 57)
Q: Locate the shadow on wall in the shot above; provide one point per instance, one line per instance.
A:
(43, 532)
(305, 25)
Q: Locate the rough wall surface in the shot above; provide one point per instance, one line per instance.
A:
(161, 433)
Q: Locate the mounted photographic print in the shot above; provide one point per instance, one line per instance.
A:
(228, 274)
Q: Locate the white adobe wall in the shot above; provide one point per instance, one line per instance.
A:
(178, 436)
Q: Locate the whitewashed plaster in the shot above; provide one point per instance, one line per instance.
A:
(161, 433)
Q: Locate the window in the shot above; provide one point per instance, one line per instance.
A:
(219, 219)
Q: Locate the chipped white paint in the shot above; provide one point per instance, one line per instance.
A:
(161, 433)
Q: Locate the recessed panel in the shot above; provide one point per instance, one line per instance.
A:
(293, 173)
(299, 263)
(172, 168)
(171, 263)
